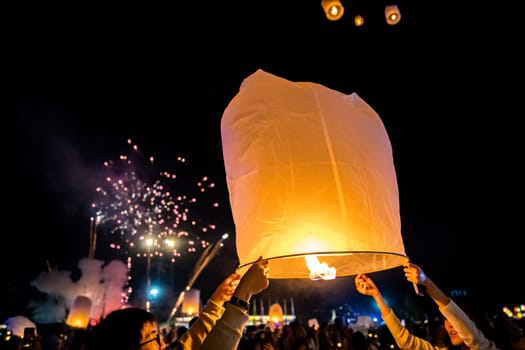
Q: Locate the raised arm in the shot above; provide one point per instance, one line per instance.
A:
(366, 286)
(415, 274)
(209, 315)
(458, 324)
(228, 330)
(403, 338)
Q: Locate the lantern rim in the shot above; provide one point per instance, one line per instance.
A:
(329, 253)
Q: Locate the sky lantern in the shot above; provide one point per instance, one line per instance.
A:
(18, 323)
(276, 314)
(192, 302)
(311, 180)
(80, 313)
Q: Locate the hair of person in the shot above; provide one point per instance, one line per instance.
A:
(119, 330)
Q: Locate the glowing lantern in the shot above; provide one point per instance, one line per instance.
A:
(17, 324)
(313, 323)
(310, 174)
(192, 302)
(392, 14)
(275, 314)
(80, 312)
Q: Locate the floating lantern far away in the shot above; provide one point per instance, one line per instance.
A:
(18, 323)
(192, 302)
(276, 314)
(80, 312)
(311, 180)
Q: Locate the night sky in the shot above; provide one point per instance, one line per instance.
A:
(78, 80)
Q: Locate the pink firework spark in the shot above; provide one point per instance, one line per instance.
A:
(148, 212)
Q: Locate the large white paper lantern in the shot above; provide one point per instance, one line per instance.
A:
(310, 173)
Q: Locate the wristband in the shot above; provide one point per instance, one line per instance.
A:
(239, 302)
(422, 277)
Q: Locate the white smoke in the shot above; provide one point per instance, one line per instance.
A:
(103, 283)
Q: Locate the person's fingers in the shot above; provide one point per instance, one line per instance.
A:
(263, 262)
(234, 279)
(234, 283)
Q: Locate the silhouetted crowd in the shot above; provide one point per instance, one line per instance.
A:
(222, 324)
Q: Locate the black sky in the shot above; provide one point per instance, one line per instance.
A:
(78, 80)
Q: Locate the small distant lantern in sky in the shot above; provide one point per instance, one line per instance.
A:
(359, 20)
(392, 14)
(311, 180)
(333, 9)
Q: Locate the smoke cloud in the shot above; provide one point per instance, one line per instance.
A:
(103, 283)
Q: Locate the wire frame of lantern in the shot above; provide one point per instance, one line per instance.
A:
(311, 180)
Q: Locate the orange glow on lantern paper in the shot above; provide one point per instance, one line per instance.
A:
(276, 314)
(80, 312)
(310, 172)
(192, 302)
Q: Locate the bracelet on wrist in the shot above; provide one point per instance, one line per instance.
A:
(422, 277)
(239, 302)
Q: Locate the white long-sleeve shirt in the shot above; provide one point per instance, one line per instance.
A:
(465, 327)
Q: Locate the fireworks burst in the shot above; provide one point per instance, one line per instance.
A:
(152, 213)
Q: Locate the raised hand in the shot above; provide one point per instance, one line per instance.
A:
(365, 285)
(254, 281)
(225, 290)
(414, 274)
